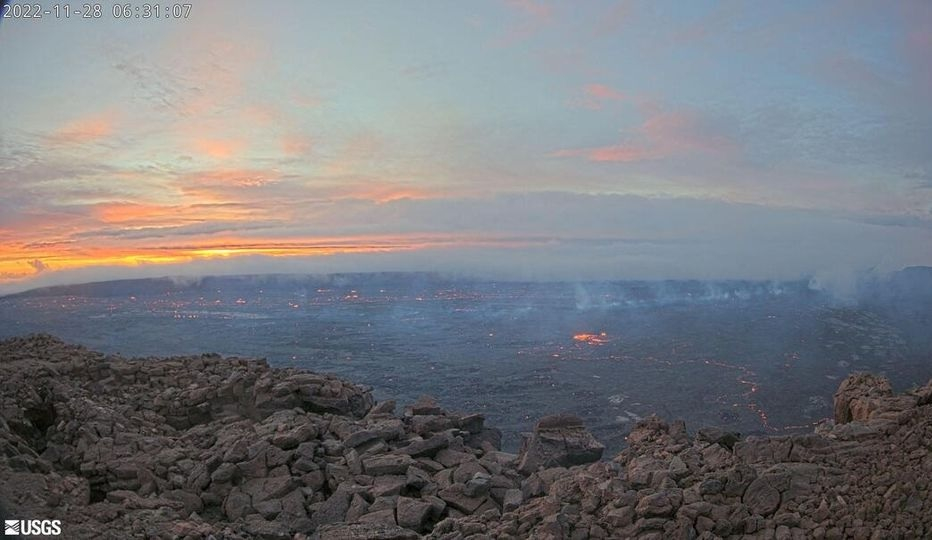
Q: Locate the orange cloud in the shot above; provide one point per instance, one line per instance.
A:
(22, 261)
(217, 148)
(616, 153)
(137, 215)
(603, 92)
(84, 130)
(388, 193)
(594, 96)
(124, 212)
(227, 185)
(661, 135)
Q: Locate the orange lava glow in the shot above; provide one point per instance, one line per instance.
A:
(746, 378)
(592, 339)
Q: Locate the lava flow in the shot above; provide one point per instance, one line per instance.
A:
(592, 339)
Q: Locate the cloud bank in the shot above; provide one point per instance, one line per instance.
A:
(524, 139)
(561, 236)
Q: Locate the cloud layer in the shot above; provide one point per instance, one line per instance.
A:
(520, 139)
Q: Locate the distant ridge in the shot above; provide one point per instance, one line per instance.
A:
(128, 287)
(910, 282)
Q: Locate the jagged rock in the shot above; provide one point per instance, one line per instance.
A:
(269, 509)
(453, 458)
(232, 448)
(292, 438)
(854, 431)
(714, 435)
(387, 464)
(512, 499)
(424, 406)
(762, 497)
(425, 425)
(472, 423)
(224, 473)
(559, 440)
(358, 506)
(455, 496)
(488, 439)
(370, 531)
(387, 486)
(859, 395)
(413, 513)
(237, 505)
(427, 447)
(386, 516)
(334, 508)
(417, 478)
(386, 407)
(262, 489)
(467, 470)
(763, 449)
(192, 502)
(478, 485)
(360, 437)
(655, 505)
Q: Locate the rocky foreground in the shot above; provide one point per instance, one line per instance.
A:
(212, 447)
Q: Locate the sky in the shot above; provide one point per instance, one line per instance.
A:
(520, 139)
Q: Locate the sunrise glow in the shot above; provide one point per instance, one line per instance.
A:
(520, 140)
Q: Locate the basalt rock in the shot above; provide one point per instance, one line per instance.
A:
(205, 446)
(829, 484)
(859, 395)
(558, 441)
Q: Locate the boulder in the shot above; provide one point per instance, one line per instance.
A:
(455, 496)
(387, 464)
(762, 497)
(478, 485)
(413, 513)
(237, 505)
(655, 505)
(859, 395)
(386, 516)
(424, 406)
(426, 447)
(360, 437)
(512, 499)
(334, 508)
(558, 441)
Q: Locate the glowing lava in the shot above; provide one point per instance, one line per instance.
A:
(592, 339)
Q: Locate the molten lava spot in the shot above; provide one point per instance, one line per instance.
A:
(592, 339)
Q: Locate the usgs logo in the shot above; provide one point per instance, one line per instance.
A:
(26, 527)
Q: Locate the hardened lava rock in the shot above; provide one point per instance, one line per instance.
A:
(227, 448)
